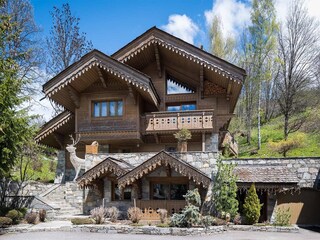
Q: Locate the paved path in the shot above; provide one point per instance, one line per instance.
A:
(231, 235)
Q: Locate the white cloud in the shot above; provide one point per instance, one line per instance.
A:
(234, 15)
(182, 27)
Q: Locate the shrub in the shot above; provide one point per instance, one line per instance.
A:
(42, 215)
(237, 220)
(252, 206)
(224, 191)
(284, 146)
(99, 214)
(15, 216)
(219, 222)
(282, 217)
(5, 221)
(163, 213)
(193, 197)
(134, 214)
(82, 221)
(4, 210)
(207, 221)
(23, 211)
(32, 218)
(183, 135)
(113, 213)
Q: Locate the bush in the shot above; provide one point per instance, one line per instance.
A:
(113, 213)
(42, 215)
(282, 217)
(207, 221)
(82, 221)
(237, 220)
(252, 206)
(4, 211)
(32, 218)
(163, 213)
(15, 216)
(219, 222)
(193, 197)
(134, 214)
(99, 214)
(5, 221)
(23, 211)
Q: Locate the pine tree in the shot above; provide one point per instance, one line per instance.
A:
(225, 190)
(252, 206)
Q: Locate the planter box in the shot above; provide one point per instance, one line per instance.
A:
(91, 149)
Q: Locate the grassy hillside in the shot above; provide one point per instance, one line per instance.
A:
(273, 131)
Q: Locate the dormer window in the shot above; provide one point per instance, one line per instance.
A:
(112, 108)
(175, 86)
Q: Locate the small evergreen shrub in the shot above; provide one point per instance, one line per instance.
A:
(113, 213)
(42, 215)
(32, 218)
(163, 213)
(82, 221)
(237, 220)
(99, 214)
(207, 221)
(134, 214)
(282, 217)
(15, 216)
(252, 206)
(5, 221)
(193, 197)
(23, 211)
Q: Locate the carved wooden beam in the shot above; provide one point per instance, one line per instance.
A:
(75, 96)
(201, 81)
(156, 51)
(102, 78)
(131, 93)
(229, 88)
(59, 138)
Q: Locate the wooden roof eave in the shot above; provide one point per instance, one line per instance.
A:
(107, 165)
(163, 158)
(189, 51)
(98, 59)
(53, 125)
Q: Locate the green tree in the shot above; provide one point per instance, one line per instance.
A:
(259, 52)
(222, 47)
(224, 190)
(252, 206)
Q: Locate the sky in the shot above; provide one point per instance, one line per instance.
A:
(110, 24)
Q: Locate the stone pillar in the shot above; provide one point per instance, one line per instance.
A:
(107, 191)
(61, 167)
(212, 142)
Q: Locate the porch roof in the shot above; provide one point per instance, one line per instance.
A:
(265, 174)
(111, 165)
(164, 159)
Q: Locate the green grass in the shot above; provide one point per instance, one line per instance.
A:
(273, 131)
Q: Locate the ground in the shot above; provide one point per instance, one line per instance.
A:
(231, 235)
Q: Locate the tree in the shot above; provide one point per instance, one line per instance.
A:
(262, 44)
(284, 146)
(224, 191)
(66, 44)
(220, 46)
(252, 206)
(298, 50)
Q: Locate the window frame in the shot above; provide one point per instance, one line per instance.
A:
(107, 101)
(170, 181)
(180, 104)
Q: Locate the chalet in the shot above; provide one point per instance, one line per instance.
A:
(125, 108)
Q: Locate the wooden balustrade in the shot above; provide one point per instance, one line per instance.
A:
(150, 207)
(166, 121)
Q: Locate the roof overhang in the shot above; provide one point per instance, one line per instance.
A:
(87, 70)
(164, 159)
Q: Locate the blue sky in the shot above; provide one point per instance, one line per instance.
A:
(112, 24)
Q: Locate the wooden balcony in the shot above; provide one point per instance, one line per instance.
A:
(173, 121)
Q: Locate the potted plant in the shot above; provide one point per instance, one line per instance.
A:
(183, 136)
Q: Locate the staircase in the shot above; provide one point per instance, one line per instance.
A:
(65, 199)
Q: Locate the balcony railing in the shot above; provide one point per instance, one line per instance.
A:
(172, 121)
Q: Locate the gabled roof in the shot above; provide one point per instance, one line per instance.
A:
(53, 125)
(164, 159)
(111, 165)
(180, 47)
(97, 59)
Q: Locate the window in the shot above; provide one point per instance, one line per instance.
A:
(164, 191)
(117, 193)
(175, 86)
(107, 108)
(181, 107)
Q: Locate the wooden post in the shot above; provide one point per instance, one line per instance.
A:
(203, 141)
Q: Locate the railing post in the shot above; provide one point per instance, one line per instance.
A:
(202, 120)
(178, 121)
(154, 122)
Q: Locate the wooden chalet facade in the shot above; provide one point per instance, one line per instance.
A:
(132, 103)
